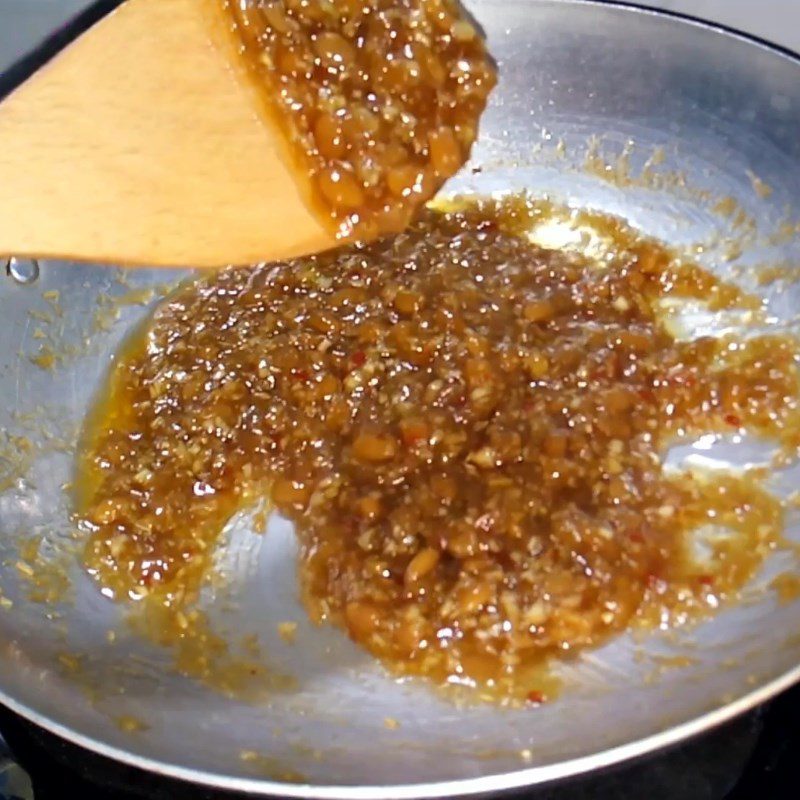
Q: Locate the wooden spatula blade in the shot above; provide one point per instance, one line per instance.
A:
(145, 143)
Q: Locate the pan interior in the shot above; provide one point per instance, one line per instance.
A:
(666, 123)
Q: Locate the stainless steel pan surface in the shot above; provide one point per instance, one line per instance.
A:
(648, 116)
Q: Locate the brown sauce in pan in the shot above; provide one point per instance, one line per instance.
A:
(467, 430)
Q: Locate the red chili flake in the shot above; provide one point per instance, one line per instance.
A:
(301, 375)
(637, 537)
(733, 420)
(536, 698)
(414, 432)
(359, 358)
(653, 580)
(648, 395)
(706, 580)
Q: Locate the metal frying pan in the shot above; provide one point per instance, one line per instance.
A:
(698, 114)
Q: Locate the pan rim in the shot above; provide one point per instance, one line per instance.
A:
(493, 783)
(457, 787)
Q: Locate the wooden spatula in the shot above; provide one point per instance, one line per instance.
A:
(145, 143)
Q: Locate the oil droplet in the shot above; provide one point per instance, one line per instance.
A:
(23, 270)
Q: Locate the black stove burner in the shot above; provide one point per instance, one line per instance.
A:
(755, 756)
